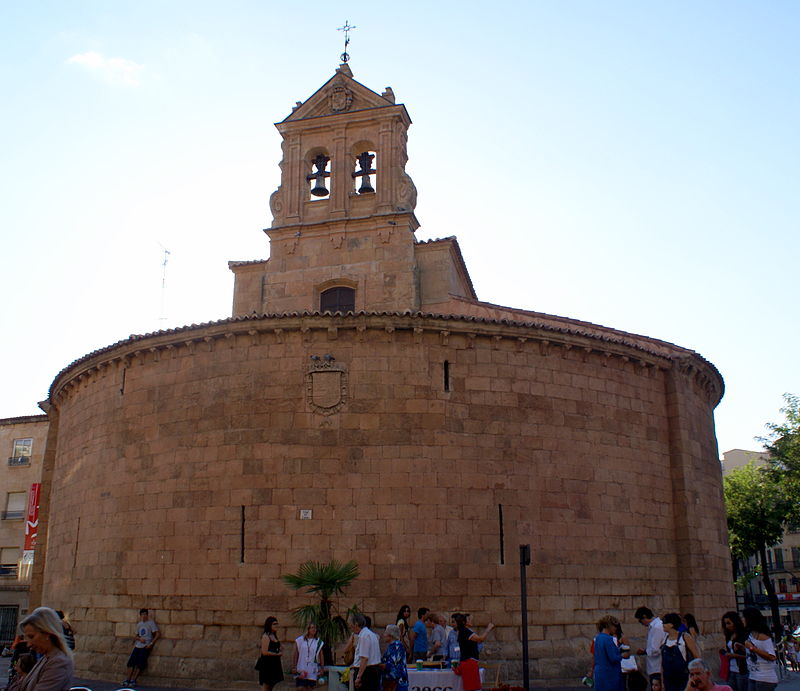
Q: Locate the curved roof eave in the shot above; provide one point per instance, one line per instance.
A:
(559, 325)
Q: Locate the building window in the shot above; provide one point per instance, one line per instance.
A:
(21, 452)
(22, 447)
(8, 622)
(781, 585)
(778, 558)
(338, 299)
(16, 503)
(9, 561)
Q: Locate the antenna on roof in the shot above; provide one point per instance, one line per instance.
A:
(347, 29)
(162, 317)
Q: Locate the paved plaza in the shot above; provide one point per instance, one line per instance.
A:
(790, 683)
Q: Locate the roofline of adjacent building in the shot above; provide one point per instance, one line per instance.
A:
(22, 419)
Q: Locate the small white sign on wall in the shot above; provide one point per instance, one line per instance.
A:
(305, 514)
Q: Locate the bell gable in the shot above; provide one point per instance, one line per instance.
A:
(340, 94)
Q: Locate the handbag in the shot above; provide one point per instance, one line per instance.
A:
(724, 666)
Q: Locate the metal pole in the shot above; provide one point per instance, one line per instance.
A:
(524, 560)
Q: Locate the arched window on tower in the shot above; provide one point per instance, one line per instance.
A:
(320, 169)
(338, 299)
(364, 173)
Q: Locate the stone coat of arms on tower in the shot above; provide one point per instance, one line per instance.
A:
(340, 99)
(326, 385)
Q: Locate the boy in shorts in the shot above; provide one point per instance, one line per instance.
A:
(147, 634)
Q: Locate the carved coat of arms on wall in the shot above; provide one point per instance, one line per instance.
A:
(326, 386)
(340, 99)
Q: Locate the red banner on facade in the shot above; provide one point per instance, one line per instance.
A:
(32, 520)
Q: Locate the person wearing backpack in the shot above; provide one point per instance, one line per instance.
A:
(676, 651)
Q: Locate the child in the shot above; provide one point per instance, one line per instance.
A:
(20, 648)
(25, 664)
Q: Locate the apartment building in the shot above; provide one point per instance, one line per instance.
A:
(783, 560)
(22, 442)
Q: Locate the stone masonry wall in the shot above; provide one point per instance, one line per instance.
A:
(175, 448)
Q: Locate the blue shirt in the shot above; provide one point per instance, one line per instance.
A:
(450, 646)
(395, 660)
(421, 641)
(607, 672)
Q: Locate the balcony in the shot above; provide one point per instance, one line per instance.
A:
(19, 460)
(8, 570)
(12, 515)
(787, 565)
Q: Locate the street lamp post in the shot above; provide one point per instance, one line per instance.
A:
(524, 561)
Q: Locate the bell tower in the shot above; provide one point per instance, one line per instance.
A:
(342, 234)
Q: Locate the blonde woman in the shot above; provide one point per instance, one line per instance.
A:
(307, 661)
(44, 635)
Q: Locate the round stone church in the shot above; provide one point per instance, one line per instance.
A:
(362, 403)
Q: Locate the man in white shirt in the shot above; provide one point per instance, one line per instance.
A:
(438, 637)
(655, 637)
(367, 658)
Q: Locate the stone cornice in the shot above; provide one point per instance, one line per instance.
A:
(255, 263)
(365, 223)
(549, 339)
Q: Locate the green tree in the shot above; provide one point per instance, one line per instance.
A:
(783, 446)
(758, 506)
(326, 581)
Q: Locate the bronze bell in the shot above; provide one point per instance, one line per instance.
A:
(319, 189)
(320, 163)
(364, 171)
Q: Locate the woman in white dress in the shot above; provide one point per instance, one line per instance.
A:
(307, 661)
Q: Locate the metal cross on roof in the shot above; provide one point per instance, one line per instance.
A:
(347, 29)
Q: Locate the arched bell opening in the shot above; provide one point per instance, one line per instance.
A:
(319, 167)
(365, 168)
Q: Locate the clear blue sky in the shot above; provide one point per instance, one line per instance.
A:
(628, 163)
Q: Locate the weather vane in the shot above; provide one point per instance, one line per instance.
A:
(347, 29)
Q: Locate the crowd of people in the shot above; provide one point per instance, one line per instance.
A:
(673, 655)
(429, 638)
(672, 659)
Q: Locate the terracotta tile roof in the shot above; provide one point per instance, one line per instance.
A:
(22, 420)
